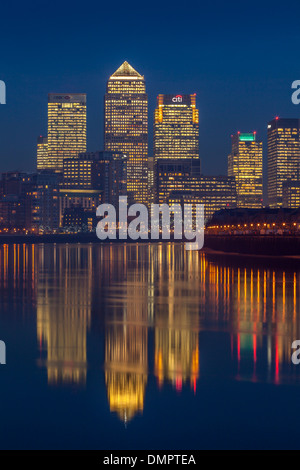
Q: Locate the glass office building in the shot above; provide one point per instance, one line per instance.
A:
(66, 128)
(42, 153)
(283, 157)
(176, 127)
(126, 127)
(245, 163)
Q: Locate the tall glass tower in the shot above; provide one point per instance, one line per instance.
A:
(176, 127)
(283, 157)
(126, 126)
(245, 163)
(66, 128)
(42, 153)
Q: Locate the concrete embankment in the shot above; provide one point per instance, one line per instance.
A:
(262, 245)
(265, 245)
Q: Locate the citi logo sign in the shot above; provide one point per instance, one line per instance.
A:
(177, 99)
(2, 92)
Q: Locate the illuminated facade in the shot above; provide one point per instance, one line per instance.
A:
(218, 192)
(176, 127)
(245, 163)
(87, 200)
(79, 172)
(176, 183)
(126, 126)
(215, 192)
(291, 194)
(17, 194)
(46, 202)
(171, 175)
(89, 180)
(42, 153)
(283, 156)
(66, 128)
(151, 180)
(105, 171)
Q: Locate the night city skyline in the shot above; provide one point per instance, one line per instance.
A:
(70, 183)
(149, 229)
(238, 83)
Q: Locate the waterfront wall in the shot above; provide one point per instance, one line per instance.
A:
(272, 245)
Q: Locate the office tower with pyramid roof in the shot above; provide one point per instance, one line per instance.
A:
(126, 127)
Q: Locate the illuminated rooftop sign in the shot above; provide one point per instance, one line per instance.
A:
(67, 98)
(248, 137)
(176, 99)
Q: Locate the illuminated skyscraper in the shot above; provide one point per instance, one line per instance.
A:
(126, 126)
(245, 163)
(42, 153)
(46, 201)
(66, 128)
(291, 194)
(176, 127)
(176, 184)
(97, 170)
(283, 156)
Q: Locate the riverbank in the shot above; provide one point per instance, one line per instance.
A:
(255, 245)
(233, 245)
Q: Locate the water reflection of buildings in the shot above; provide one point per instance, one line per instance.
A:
(63, 311)
(184, 294)
(176, 321)
(166, 310)
(259, 308)
(17, 275)
(126, 333)
(176, 355)
(126, 368)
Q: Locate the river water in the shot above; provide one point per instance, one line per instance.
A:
(147, 346)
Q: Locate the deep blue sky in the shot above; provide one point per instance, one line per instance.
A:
(239, 57)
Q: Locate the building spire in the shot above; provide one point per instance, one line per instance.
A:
(126, 70)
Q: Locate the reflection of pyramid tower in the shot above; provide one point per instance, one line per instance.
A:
(126, 349)
(126, 369)
(125, 393)
(63, 315)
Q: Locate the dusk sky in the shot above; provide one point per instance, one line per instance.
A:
(239, 57)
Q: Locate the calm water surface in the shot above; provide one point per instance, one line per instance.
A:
(146, 346)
